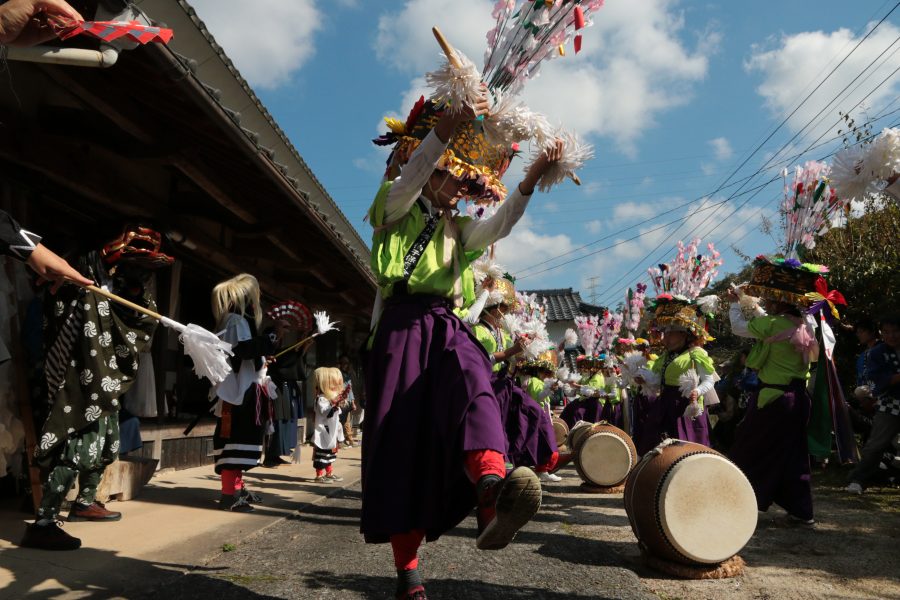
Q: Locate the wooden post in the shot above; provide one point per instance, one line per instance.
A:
(21, 374)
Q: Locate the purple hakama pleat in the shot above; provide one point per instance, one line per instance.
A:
(529, 430)
(771, 449)
(429, 400)
(584, 409)
(660, 417)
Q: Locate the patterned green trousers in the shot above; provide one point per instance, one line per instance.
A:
(85, 454)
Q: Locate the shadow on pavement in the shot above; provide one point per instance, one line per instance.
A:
(65, 575)
(375, 587)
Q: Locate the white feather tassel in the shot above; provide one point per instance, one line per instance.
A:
(693, 410)
(708, 304)
(688, 382)
(575, 153)
(455, 85)
(323, 323)
(571, 338)
(295, 455)
(208, 352)
(632, 362)
(848, 176)
(511, 122)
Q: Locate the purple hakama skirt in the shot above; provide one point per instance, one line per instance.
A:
(529, 430)
(770, 447)
(612, 414)
(583, 409)
(429, 401)
(663, 417)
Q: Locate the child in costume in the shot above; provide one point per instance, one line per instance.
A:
(331, 393)
(533, 376)
(587, 405)
(434, 435)
(611, 393)
(243, 397)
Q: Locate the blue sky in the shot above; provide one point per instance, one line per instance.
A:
(673, 94)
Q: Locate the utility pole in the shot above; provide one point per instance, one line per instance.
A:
(592, 289)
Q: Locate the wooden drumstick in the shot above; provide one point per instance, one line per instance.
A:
(446, 47)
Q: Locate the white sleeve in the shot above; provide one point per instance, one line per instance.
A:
(413, 177)
(481, 233)
(323, 406)
(738, 321)
(707, 381)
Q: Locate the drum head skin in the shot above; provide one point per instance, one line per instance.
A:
(577, 434)
(605, 459)
(560, 430)
(707, 508)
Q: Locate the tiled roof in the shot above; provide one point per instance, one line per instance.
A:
(563, 304)
(264, 131)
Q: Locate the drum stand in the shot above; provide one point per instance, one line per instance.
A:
(732, 567)
(590, 488)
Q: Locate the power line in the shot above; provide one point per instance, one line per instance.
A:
(612, 287)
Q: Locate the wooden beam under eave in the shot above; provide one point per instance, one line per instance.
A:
(97, 102)
(200, 178)
(71, 170)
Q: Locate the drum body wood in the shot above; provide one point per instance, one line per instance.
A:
(689, 504)
(577, 433)
(605, 456)
(560, 430)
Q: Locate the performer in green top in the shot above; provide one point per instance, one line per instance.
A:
(426, 372)
(770, 444)
(588, 405)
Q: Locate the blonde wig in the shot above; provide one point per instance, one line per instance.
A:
(330, 381)
(239, 295)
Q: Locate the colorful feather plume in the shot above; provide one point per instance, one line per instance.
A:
(634, 307)
(526, 33)
(588, 333)
(689, 274)
(809, 207)
(610, 324)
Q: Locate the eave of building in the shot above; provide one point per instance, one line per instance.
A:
(207, 62)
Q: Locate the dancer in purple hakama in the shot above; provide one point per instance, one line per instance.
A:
(770, 444)
(587, 406)
(525, 422)
(434, 437)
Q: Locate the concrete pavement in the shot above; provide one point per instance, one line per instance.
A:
(173, 527)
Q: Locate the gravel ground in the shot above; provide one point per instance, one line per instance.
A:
(577, 546)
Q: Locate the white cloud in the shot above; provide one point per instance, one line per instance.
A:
(525, 246)
(595, 226)
(405, 40)
(283, 42)
(633, 66)
(721, 148)
(797, 63)
(632, 211)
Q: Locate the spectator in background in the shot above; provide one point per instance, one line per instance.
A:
(733, 389)
(862, 401)
(883, 370)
